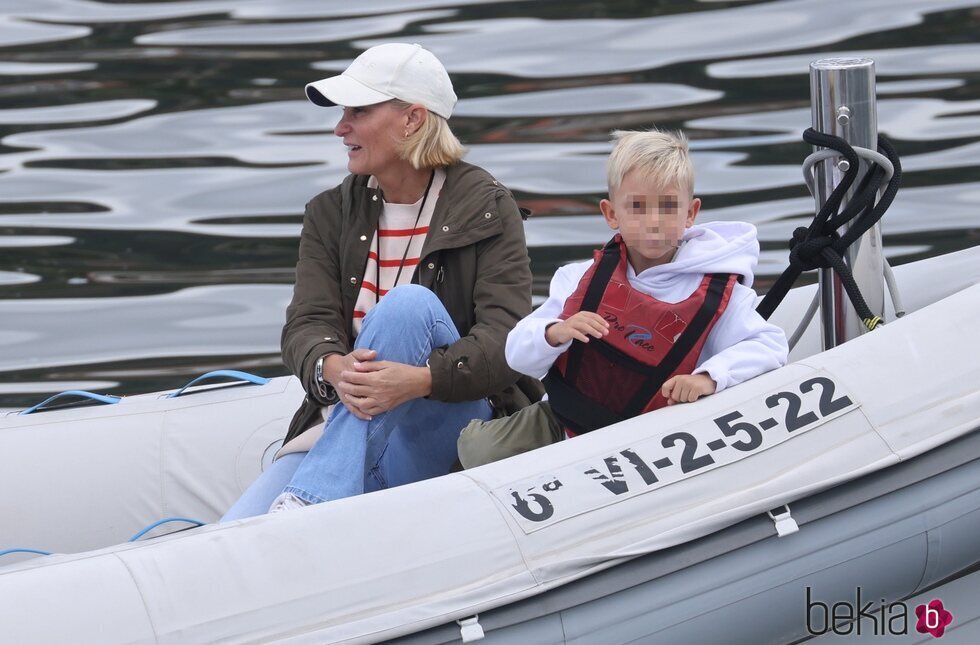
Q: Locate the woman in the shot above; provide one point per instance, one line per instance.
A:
(410, 275)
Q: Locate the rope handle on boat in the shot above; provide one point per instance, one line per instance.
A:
(135, 537)
(820, 246)
(35, 551)
(101, 398)
(149, 528)
(243, 376)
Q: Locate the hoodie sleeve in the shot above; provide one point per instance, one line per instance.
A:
(527, 351)
(742, 344)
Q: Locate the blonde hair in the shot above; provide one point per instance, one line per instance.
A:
(659, 156)
(433, 145)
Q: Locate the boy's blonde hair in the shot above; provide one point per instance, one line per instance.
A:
(660, 157)
(433, 145)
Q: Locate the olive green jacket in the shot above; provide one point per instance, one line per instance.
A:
(474, 258)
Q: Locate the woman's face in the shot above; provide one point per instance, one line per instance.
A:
(371, 134)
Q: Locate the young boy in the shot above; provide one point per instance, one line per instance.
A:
(663, 314)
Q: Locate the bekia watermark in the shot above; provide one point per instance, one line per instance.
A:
(844, 618)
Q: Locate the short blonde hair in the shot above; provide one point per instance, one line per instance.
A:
(659, 156)
(433, 145)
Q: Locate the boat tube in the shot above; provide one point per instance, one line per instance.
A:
(516, 533)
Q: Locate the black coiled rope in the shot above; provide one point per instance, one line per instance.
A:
(819, 246)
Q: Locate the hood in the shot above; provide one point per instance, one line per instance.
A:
(716, 247)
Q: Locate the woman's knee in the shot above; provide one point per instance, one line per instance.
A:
(409, 295)
(408, 303)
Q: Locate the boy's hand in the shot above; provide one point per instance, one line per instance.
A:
(685, 388)
(577, 327)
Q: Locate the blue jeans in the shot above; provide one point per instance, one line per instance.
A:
(411, 442)
(257, 499)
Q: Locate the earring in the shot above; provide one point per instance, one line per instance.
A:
(406, 133)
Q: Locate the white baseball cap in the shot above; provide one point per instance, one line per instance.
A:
(391, 71)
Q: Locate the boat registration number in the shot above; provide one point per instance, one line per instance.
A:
(754, 426)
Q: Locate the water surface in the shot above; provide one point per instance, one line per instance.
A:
(155, 157)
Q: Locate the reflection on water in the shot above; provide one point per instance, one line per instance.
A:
(291, 33)
(155, 157)
(585, 100)
(905, 61)
(546, 48)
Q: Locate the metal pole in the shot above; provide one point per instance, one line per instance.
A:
(842, 96)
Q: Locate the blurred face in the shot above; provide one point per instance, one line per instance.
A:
(371, 134)
(652, 219)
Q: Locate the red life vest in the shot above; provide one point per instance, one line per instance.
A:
(617, 377)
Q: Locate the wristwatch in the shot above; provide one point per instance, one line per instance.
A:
(318, 381)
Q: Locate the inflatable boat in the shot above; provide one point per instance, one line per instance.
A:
(850, 475)
(852, 467)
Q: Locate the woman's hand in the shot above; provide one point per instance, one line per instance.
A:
(335, 365)
(371, 387)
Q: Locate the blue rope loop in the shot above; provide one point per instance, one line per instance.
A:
(36, 551)
(132, 539)
(243, 376)
(164, 521)
(108, 399)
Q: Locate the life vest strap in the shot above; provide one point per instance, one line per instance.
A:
(574, 410)
(592, 298)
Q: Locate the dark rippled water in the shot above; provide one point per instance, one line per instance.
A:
(155, 157)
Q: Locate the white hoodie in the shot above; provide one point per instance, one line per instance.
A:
(740, 346)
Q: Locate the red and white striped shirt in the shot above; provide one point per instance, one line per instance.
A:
(396, 230)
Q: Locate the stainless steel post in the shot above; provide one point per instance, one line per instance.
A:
(842, 96)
